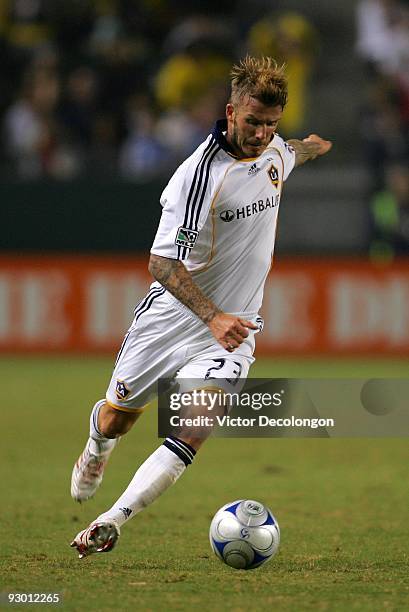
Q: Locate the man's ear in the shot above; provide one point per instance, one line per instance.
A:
(229, 111)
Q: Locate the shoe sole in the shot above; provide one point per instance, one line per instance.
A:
(102, 538)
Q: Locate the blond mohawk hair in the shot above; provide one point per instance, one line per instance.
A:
(261, 78)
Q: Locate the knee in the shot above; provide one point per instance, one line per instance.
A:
(113, 423)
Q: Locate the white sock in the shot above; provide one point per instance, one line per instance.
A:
(98, 444)
(154, 476)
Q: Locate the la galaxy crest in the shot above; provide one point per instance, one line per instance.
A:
(121, 390)
(273, 174)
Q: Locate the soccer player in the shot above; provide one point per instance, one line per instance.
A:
(210, 258)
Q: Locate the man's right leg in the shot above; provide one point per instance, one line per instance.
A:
(107, 425)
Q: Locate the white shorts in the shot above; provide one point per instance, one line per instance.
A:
(166, 340)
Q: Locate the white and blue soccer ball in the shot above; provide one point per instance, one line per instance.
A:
(244, 534)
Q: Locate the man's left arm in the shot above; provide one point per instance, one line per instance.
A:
(309, 148)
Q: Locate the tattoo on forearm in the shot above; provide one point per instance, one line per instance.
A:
(172, 274)
(304, 151)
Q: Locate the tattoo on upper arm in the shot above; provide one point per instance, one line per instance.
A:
(173, 275)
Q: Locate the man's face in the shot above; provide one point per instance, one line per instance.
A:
(251, 126)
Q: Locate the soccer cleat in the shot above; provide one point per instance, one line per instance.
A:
(100, 536)
(87, 474)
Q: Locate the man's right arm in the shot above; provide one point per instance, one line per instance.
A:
(228, 330)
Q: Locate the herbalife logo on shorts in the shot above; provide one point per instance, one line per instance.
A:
(186, 237)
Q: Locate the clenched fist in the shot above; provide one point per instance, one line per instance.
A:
(230, 330)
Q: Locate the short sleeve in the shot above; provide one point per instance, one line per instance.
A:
(287, 153)
(186, 202)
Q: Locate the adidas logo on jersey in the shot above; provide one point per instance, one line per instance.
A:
(253, 170)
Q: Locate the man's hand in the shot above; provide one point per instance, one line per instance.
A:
(229, 330)
(309, 148)
(323, 145)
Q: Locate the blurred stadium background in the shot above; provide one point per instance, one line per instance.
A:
(102, 99)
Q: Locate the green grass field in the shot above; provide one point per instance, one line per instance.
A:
(342, 505)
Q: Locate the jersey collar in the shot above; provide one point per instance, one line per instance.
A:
(219, 127)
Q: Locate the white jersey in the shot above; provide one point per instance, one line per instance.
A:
(220, 217)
